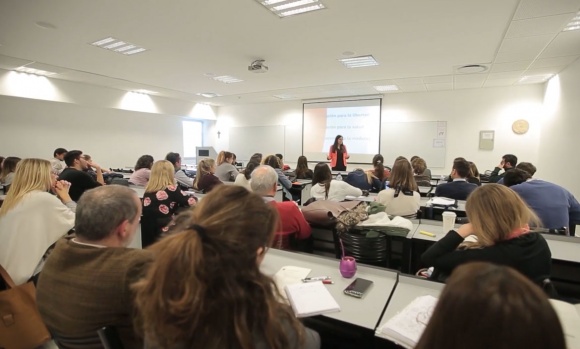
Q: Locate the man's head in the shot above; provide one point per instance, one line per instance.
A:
(264, 181)
(509, 161)
(515, 176)
(108, 215)
(59, 153)
(175, 159)
(460, 169)
(75, 159)
(528, 167)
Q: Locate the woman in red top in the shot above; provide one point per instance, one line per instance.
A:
(338, 155)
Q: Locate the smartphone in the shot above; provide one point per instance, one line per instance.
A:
(358, 287)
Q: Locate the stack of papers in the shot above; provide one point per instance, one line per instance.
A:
(289, 275)
(440, 201)
(311, 298)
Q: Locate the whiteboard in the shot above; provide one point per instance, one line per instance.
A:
(426, 139)
(245, 141)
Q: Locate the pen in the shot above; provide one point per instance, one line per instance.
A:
(316, 278)
(427, 233)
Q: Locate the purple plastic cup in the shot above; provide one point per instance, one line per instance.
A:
(347, 267)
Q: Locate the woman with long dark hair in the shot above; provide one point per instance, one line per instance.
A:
(326, 188)
(302, 170)
(338, 154)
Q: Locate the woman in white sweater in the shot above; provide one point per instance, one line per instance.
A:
(32, 219)
(326, 188)
(402, 198)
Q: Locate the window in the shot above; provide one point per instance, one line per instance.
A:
(192, 137)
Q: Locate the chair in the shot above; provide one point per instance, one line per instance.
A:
(366, 246)
(110, 338)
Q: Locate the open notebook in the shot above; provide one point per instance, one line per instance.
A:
(407, 326)
(311, 298)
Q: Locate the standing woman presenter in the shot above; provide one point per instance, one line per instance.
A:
(338, 155)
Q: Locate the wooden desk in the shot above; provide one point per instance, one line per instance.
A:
(364, 312)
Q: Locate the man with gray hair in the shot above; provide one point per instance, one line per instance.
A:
(263, 182)
(85, 283)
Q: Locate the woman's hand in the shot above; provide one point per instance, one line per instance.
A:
(61, 189)
(465, 230)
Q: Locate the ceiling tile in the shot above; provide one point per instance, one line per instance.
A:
(409, 81)
(412, 88)
(500, 82)
(505, 75)
(538, 26)
(541, 8)
(470, 79)
(542, 71)
(511, 66)
(9, 63)
(463, 85)
(438, 79)
(565, 44)
(553, 62)
(440, 86)
(515, 56)
(528, 44)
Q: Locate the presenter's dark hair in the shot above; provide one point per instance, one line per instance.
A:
(511, 158)
(59, 151)
(335, 145)
(71, 156)
(505, 310)
(145, 161)
(515, 176)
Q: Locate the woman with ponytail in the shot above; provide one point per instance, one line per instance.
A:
(205, 288)
(205, 178)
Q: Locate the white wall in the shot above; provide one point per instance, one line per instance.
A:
(560, 141)
(466, 111)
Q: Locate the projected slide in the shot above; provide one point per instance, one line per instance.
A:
(358, 122)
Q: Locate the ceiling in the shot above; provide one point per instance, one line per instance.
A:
(418, 44)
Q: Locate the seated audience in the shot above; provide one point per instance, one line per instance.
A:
(449, 178)
(90, 170)
(402, 197)
(243, 179)
(256, 157)
(212, 266)
(526, 166)
(326, 188)
(8, 171)
(459, 189)
(31, 219)
(274, 162)
(422, 173)
(506, 311)
(142, 171)
(555, 206)
(161, 201)
(499, 220)
(264, 182)
(363, 180)
(302, 170)
(379, 170)
(473, 176)
(85, 282)
(205, 179)
(80, 181)
(284, 167)
(182, 179)
(508, 161)
(225, 171)
(57, 163)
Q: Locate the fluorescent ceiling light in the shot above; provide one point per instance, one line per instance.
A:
(359, 62)
(146, 92)
(574, 24)
(285, 8)
(301, 10)
(25, 69)
(119, 46)
(227, 79)
(534, 79)
(387, 88)
(293, 4)
(208, 94)
(272, 2)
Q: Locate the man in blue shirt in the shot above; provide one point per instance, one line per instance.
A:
(459, 189)
(555, 206)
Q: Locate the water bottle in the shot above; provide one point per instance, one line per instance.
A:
(338, 177)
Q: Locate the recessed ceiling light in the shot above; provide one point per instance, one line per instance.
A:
(208, 94)
(471, 69)
(118, 46)
(284, 96)
(27, 70)
(145, 92)
(227, 79)
(534, 79)
(387, 88)
(285, 8)
(574, 24)
(359, 62)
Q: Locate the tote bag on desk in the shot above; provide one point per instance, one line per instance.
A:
(21, 326)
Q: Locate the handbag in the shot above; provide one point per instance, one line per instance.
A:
(21, 326)
(324, 213)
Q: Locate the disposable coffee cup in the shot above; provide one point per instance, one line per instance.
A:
(448, 221)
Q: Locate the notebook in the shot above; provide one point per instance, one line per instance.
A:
(311, 298)
(289, 275)
(441, 201)
(569, 315)
(407, 326)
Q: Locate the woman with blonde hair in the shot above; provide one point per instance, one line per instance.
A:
(7, 171)
(205, 289)
(32, 219)
(402, 197)
(205, 178)
(499, 221)
(161, 201)
(225, 170)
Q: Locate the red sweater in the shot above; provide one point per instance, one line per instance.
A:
(292, 219)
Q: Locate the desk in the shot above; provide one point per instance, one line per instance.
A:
(565, 248)
(370, 198)
(430, 212)
(304, 186)
(364, 312)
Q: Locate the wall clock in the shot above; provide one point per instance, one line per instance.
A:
(520, 126)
